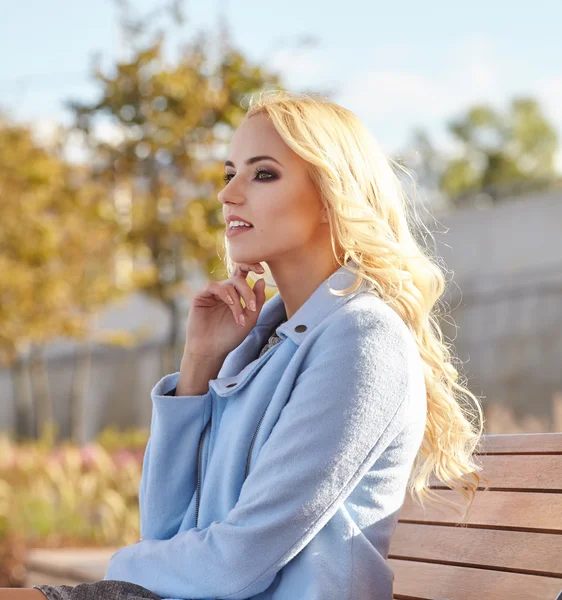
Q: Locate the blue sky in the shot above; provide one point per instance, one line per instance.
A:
(398, 65)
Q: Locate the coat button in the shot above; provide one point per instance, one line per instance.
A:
(300, 328)
(231, 384)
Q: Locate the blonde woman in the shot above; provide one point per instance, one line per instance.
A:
(281, 452)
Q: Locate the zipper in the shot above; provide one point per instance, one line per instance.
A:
(259, 422)
(200, 448)
(199, 457)
(253, 441)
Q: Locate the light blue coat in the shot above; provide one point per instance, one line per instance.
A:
(294, 491)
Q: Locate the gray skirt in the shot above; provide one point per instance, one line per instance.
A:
(98, 590)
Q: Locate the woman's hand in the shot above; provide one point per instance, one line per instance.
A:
(217, 322)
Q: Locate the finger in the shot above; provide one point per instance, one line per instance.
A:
(244, 268)
(237, 308)
(245, 291)
(259, 292)
(220, 292)
(228, 294)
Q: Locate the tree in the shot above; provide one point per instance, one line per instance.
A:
(173, 119)
(57, 245)
(499, 154)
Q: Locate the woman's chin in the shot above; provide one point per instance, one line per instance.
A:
(238, 255)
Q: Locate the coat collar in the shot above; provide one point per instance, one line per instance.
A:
(317, 307)
(236, 369)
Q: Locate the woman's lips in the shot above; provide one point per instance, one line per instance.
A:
(237, 231)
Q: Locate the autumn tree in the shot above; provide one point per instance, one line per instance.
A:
(172, 119)
(58, 240)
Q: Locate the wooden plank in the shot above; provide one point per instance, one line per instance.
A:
(524, 511)
(520, 472)
(428, 581)
(522, 443)
(532, 553)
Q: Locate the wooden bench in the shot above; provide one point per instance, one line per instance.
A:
(511, 544)
(511, 548)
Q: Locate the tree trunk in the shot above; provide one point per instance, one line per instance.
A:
(80, 378)
(40, 391)
(170, 357)
(24, 425)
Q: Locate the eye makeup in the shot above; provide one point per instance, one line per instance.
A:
(268, 175)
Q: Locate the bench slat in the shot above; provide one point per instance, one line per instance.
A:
(524, 472)
(530, 511)
(534, 553)
(526, 443)
(427, 581)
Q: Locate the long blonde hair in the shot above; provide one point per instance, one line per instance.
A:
(370, 223)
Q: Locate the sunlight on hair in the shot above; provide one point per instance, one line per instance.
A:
(374, 223)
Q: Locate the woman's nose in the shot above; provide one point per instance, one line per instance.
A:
(230, 194)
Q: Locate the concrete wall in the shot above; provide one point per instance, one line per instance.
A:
(506, 298)
(120, 380)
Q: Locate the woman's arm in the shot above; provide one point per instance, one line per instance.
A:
(346, 406)
(170, 460)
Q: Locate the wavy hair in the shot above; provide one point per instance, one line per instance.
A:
(370, 223)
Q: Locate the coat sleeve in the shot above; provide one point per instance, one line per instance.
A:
(176, 426)
(346, 406)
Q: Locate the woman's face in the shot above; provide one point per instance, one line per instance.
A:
(275, 195)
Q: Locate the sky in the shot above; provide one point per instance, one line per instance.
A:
(397, 65)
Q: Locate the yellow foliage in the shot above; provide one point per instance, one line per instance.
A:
(70, 495)
(57, 251)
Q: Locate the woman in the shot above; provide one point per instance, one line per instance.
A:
(281, 452)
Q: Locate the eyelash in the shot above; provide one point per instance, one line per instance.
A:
(228, 176)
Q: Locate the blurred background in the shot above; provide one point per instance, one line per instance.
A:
(115, 119)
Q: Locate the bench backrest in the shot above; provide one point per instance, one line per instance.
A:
(511, 545)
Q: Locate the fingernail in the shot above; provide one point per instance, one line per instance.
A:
(230, 300)
(242, 320)
(252, 305)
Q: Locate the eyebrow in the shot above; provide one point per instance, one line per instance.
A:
(252, 160)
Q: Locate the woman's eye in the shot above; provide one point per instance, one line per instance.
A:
(259, 174)
(268, 175)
